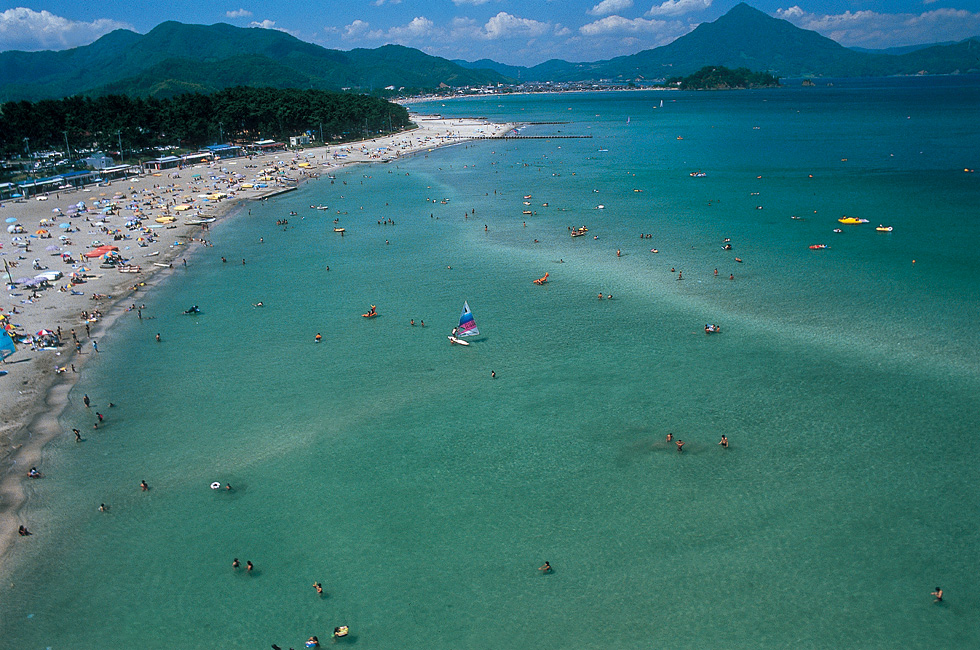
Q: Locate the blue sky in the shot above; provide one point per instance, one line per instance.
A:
(523, 32)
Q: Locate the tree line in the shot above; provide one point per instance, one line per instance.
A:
(192, 120)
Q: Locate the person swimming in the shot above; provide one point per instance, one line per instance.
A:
(317, 338)
(545, 568)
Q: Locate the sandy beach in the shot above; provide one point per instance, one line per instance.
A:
(34, 390)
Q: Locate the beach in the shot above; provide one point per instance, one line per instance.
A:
(33, 392)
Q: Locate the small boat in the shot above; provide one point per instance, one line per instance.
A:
(711, 328)
(882, 228)
(838, 230)
(578, 232)
(698, 174)
(340, 230)
(818, 247)
(541, 280)
(526, 212)
(852, 220)
(466, 327)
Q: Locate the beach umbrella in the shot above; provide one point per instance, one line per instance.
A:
(24, 280)
(44, 333)
(42, 231)
(64, 225)
(52, 247)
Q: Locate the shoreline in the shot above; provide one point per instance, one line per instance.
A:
(34, 395)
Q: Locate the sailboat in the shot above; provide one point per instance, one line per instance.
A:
(466, 327)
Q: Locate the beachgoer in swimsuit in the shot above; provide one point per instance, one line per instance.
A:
(938, 593)
(680, 445)
(248, 565)
(235, 563)
(724, 441)
(670, 437)
(144, 486)
(545, 568)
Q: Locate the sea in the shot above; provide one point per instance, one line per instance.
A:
(423, 484)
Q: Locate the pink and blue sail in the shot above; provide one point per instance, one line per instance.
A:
(467, 325)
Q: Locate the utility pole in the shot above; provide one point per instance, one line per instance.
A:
(67, 148)
(122, 158)
(321, 133)
(30, 163)
(221, 132)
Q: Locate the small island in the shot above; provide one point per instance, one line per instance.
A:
(722, 78)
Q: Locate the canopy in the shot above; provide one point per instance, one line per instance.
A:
(100, 251)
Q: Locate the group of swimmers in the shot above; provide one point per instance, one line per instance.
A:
(680, 443)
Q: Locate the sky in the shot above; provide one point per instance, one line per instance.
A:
(518, 32)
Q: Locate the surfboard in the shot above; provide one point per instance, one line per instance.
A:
(453, 339)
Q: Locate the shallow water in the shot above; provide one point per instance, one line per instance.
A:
(423, 494)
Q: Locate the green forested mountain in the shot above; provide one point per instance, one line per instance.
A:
(174, 57)
(746, 37)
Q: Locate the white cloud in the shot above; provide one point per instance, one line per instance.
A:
(271, 24)
(239, 13)
(504, 25)
(678, 7)
(619, 25)
(607, 7)
(876, 30)
(378, 3)
(358, 29)
(25, 29)
(419, 28)
(460, 3)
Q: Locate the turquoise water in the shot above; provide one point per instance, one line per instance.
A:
(423, 494)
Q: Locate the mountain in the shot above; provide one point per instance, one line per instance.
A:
(747, 37)
(174, 57)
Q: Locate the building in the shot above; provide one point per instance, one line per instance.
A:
(164, 162)
(266, 146)
(299, 140)
(98, 161)
(222, 151)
